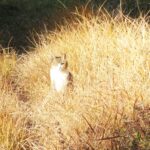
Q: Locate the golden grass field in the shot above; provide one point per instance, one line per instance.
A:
(109, 108)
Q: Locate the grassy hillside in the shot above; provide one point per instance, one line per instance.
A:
(109, 108)
(20, 18)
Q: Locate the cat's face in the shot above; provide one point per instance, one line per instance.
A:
(60, 62)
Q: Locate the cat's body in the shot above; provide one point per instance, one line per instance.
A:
(61, 78)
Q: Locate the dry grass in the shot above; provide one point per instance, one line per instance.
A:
(109, 109)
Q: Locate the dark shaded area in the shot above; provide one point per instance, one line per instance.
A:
(12, 27)
(19, 18)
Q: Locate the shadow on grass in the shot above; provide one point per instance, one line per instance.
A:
(18, 19)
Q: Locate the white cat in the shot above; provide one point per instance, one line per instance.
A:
(61, 78)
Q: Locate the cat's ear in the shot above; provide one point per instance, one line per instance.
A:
(64, 56)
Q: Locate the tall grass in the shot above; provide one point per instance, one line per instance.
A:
(109, 108)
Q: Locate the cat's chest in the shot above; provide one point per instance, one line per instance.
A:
(57, 75)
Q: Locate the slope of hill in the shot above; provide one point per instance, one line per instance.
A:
(109, 108)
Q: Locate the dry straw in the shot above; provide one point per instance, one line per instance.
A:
(110, 62)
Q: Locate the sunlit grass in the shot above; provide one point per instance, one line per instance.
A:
(109, 108)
